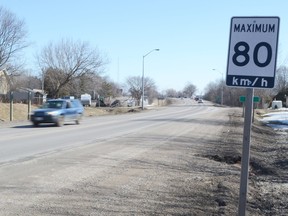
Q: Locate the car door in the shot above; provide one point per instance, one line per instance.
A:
(70, 111)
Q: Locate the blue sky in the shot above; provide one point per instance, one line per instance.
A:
(192, 36)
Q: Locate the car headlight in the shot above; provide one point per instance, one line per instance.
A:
(52, 113)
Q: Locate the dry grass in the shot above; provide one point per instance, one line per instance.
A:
(20, 111)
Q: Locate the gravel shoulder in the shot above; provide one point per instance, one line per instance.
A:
(268, 174)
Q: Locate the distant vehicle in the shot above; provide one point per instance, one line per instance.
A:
(116, 103)
(58, 112)
(130, 102)
(277, 104)
(86, 99)
(200, 101)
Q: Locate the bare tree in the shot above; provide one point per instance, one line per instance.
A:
(52, 79)
(266, 97)
(25, 80)
(232, 95)
(135, 87)
(281, 82)
(189, 89)
(171, 93)
(12, 39)
(66, 61)
(106, 88)
(213, 92)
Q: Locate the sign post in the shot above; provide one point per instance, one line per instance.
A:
(251, 64)
(245, 159)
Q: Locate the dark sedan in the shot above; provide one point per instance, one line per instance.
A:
(58, 112)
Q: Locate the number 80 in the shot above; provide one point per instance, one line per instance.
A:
(245, 51)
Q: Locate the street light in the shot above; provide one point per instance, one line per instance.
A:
(222, 88)
(143, 75)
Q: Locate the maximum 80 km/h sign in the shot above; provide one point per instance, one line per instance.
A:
(252, 52)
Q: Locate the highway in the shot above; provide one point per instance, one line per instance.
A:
(108, 165)
(25, 141)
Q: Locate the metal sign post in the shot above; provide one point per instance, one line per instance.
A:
(251, 64)
(246, 152)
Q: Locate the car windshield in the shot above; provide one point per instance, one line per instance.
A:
(76, 103)
(53, 104)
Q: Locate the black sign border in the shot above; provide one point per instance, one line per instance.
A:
(228, 77)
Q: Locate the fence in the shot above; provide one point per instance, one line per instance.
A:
(28, 98)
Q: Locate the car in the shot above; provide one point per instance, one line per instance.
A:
(58, 112)
(200, 101)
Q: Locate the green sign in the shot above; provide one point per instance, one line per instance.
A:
(242, 99)
(256, 99)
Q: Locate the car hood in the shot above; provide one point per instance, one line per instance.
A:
(47, 110)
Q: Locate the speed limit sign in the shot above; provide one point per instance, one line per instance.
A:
(252, 52)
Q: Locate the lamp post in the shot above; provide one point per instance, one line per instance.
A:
(222, 87)
(143, 75)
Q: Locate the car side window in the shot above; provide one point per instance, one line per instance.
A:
(68, 105)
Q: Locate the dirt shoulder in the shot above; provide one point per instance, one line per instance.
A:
(268, 177)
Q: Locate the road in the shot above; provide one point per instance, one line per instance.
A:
(130, 164)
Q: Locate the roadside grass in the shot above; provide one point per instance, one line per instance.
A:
(19, 111)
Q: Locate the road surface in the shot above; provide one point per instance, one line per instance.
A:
(143, 163)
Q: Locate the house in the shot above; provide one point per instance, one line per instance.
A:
(25, 94)
(20, 95)
(40, 96)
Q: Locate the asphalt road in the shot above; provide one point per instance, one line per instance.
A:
(130, 164)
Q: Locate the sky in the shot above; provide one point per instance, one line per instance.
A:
(192, 36)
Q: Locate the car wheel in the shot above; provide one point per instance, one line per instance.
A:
(60, 121)
(35, 124)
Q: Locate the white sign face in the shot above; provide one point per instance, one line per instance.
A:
(252, 52)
